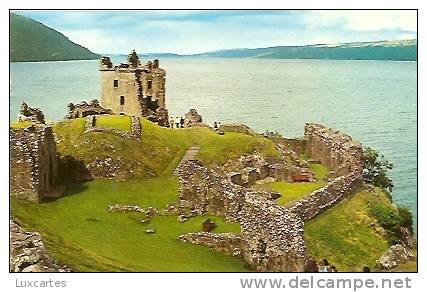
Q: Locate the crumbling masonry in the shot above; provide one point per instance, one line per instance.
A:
(133, 89)
(33, 162)
(271, 237)
(33, 158)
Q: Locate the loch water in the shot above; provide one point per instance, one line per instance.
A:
(373, 101)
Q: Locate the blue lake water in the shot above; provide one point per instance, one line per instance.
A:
(373, 101)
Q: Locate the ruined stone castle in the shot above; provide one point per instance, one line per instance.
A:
(272, 236)
(134, 89)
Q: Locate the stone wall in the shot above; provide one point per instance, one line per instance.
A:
(133, 134)
(30, 114)
(33, 162)
(321, 199)
(84, 109)
(238, 128)
(192, 118)
(298, 145)
(343, 156)
(271, 236)
(334, 149)
(251, 168)
(228, 243)
(204, 190)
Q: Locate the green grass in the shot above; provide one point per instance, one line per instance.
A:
(78, 231)
(20, 125)
(343, 233)
(113, 121)
(295, 191)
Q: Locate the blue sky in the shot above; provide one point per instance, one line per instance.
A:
(187, 32)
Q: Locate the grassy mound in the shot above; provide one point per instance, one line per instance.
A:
(115, 122)
(295, 191)
(78, 231)
(156, 142)
(343, 234)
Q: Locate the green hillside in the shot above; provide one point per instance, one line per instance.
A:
(33, 41)
(400, 50)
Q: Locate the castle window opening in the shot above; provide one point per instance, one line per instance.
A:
(116, 83)
(122, 100)
(149, 84)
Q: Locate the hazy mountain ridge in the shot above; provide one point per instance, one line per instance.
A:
(405, 50)
(396, 50)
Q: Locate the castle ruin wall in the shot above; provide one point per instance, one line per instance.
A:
(33, 162)
(334, 149)
(271, 236)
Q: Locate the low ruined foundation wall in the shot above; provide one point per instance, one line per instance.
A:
(323, 198)
(298, 145)
(228, 243)
(133, 134)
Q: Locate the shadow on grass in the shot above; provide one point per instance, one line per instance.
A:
(73, 188)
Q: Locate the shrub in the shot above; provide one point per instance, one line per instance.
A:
(375, 170)
(406, 219)
(389, 219)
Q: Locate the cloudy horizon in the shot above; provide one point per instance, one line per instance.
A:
(192, 31)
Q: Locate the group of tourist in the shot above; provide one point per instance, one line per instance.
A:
(177, 122)
(322, 266)
(216, 125)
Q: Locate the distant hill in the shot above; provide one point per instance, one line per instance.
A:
(400, 50)
(33, 41)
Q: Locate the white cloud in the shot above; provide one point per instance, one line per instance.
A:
(364, 20)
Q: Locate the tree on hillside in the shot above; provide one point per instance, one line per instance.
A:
(375, 169)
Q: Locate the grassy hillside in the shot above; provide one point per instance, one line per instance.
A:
(33, 41)
(156, 142)
(78, 231)
(343, 234)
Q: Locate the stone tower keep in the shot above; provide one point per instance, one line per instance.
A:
(134, 89)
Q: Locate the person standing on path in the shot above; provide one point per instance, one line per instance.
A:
(177, 122)
(181, 121)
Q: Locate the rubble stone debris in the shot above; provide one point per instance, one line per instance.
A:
(28, 254)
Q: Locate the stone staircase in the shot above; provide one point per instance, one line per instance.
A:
(189, 155)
